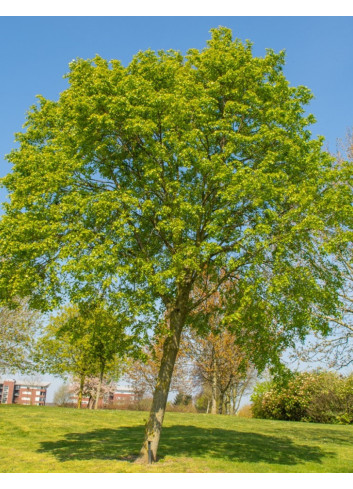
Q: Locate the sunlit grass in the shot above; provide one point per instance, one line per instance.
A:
(45, 439)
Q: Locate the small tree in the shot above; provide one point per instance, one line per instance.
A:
(84, 344)
(62, 396)
(95, 388)
(203, 400)
(223, 367)
(142, 372)
(18, 329)
(182, 399)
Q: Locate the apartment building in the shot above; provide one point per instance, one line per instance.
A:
(22, 392)
(123, 394)
(120, 396)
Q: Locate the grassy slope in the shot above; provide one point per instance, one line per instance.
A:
(39, 439)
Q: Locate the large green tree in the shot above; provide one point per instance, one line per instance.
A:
(142, 180)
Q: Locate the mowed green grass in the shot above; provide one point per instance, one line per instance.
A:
(46, 439)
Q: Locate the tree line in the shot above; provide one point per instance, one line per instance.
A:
(93, 354)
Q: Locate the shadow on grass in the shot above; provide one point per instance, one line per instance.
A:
(323, 436)
(184, 441)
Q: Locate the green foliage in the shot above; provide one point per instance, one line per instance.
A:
(83, 343)
(18, 330)
(202, 403)
(182, 399)
(139, 180)
(320, 397)
(62, 396)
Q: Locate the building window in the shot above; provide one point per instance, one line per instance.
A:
(5, 394)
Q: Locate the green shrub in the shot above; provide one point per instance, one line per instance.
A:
(182, 399)
(202, 403)
(319, 397)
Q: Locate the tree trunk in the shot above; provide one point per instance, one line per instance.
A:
(214, 385)
(221, 401)
(79, 400)
(234, 395)
(170, 350)
(99, 388)
(227, 404)
(239, 396)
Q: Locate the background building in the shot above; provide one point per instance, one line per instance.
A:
(121, 396)
(22, 392)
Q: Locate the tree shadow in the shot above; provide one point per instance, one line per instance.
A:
(337, 437)
(124, 443)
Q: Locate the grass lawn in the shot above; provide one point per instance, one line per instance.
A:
(48, 439)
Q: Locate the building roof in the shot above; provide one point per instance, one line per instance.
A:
(26, 383)
(123, 390)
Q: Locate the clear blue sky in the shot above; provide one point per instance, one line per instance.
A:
(35, 52)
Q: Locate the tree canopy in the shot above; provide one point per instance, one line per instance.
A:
(80, 344)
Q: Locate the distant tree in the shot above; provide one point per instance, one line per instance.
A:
(85, 344)
(92, 388)
(203, 400)
(62, 396)
(182, 399)
(18, 329)
(336, 349)
(142, 373)
(222, 367)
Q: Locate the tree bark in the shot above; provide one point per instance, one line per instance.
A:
(227, 404)
(177, 319)
(79, 400)
(214, 385)
(234, 396)
(98, 393)
(221, 401)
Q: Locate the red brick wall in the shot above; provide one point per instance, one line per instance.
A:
(11, 385)
(24, 395)
(25, 398)
(123, 397)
